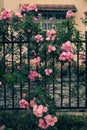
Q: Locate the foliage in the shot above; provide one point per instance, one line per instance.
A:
(29, 57)
(19, 121)
(72, 122)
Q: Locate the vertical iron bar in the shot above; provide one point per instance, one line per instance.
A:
(77, 74)
(28, 42)
(53, 64)
(61, 85)
(4, 70)
(20, 48)
(12, 47)
(86, 70)
(69, 84)
(36, 57)
(45, 65)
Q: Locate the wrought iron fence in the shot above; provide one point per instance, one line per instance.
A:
(69, 91)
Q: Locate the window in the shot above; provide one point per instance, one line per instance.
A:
(48, 19)
(46, 26)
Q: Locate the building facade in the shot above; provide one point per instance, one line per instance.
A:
(80, 5)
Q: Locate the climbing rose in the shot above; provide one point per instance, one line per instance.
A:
(38, 38)
(18, 14)
(43, 124)
(24, 104)
(70, 14)
(50, 120)
(51, 35)
(67, 46)
(6, 15)
(33, 75)
(51, 48)
(48, 71)
(32, 103)
(28, 8)
(69, 56)
(36, 61)
(38, 110)
(66, 56)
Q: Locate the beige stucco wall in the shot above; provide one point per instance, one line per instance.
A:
(1, 4)
(81, 5)
(11, 5)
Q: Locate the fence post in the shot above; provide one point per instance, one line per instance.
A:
(86, 70)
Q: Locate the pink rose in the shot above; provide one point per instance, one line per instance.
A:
(50, 120)
(66, 56)
(38, 38)
(36, 61)
(32, 103)
(62, 56)
(48, 72)
(43, 124)
(51, 34)
(38, 110)
(6, 15)
(18, 14)
(70, 14)
(67, 46)
(51, 48)
(24, 104)
(33, 75)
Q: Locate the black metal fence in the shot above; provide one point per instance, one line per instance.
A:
(69, 91)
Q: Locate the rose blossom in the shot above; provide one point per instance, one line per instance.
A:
(36, 61)
(18, 14)
(32, 103)
(69, 56)
(66, 56)
(51, 34)
(43, 124)
(50, 120)
(33, 75)
(51, 48)
(6, 15)
(48, 71)
(38, 38)
(67, 46)
(38, 110)
(28, 8)
(70, 14)
(24, 104)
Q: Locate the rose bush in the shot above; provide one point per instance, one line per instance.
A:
(43, 53)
